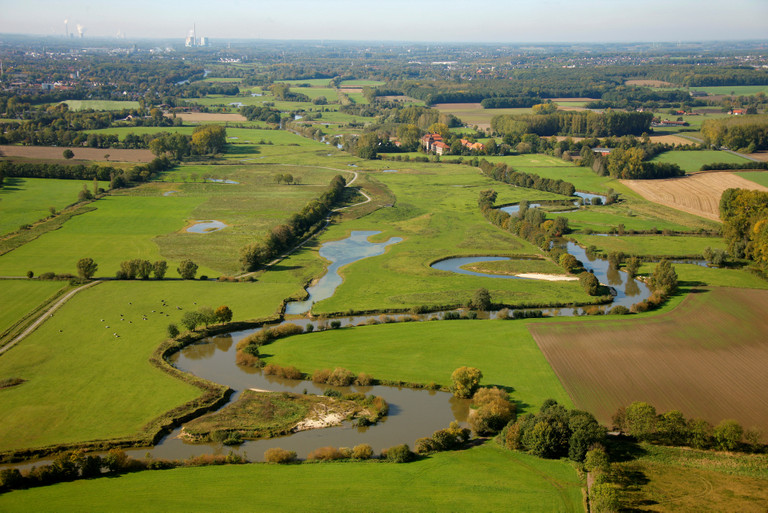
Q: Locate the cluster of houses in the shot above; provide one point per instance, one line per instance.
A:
(434, 143)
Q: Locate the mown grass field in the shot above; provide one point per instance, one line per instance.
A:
(424, 352)
(688, 359)
(84, 383)
(19, 297)
(76, 105)
(485, 478)
(682, 479)
(652, 245)
(27, 200)
(759, 177)
(691, 161)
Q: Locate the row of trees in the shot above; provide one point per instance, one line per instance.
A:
(504, 173)
(641, 421)
(629, 164)
(141, 269)
(575, 123)
(117, 177)
(284, 236)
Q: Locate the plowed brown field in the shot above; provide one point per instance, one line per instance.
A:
(55, 153)
(697, 194)
(707, 358)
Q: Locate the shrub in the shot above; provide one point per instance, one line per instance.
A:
(481, 300)
(321, 376)
(173, 331)
(493, 410)
(341, 377)
(331, 392)
(728, 435)
(362, 452)
(590, 283)
(247, 360)
(425, 445)
(399, 454)
(335, 325)
(278, 455)
(326, 454)
(619, 310)
(30, 274)
(465, 381)
(364, 380)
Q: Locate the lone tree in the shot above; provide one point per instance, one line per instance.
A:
(68, 154)
(664, 278)
(187, 270)
(86, 268)
(466, 381)
(481, 300)
(223, 314)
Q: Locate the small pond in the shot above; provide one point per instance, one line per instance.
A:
(168, 193)
(389, 171)
(206, 226)
(589, 198)
(339, 253)
(456, 265)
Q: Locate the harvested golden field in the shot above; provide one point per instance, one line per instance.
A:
(697, 194)
(671, 139)
(209, 117)
(648, 83)
(90, 154)
(760, 155)
(707, 358)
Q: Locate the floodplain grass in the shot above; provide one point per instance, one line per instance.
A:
(691, 161)
(652, 245)
(517, 266)
(20, 297)
(484, 478)
(692, 275)
(424, 352)
(759, 177)
(683, 479)
(638, 215)
(705, 358)
(27, 200)
(436, 214)
(84, 383)
(747, 90)
(76, 105)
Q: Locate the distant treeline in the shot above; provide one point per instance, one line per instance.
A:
(260, 113)
(512, 102)
(586, 124)
(117, 177)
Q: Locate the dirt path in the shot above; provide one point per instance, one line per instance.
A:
(46, 315)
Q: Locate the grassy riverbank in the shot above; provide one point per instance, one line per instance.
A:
(485, 478)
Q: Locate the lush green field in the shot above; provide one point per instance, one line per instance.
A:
(474, 114)
(733, 90)
(26, 200)
(517, 266)
(424, 352)
(361, 83)
(20, 297)
(760, 177)
(692, 275)
(485, 478)
(691, 161)
(101, 105)
(84, 383)
(652, 245)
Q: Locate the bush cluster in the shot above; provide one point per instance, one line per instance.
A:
(449, 439)
(491, 411)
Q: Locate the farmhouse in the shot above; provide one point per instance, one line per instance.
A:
(429, 142)
(601, 151)
(738, 112)
(666, 122)
(473, 146)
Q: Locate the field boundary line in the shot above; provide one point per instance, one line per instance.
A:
(46, 315)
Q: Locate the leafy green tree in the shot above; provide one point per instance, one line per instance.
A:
(672, 428)
(699, 434)
(728, 435)
(596, 460)
(664, 278)
(86, 268)
(633, 264)
(160, 268)
(604, 498)
(481, 300)
(143, 269)
(590, 283)
(68, 154)
(173, 331)
(466, 381)
(223, 314)
(187, 270)
(209, 139)
(640, 420)
(191, 320)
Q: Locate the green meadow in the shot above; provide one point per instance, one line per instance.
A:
(428, 352)
(84, 383)
(759, 177)
(18, 298)
(27, 200)
(484, 478)
(691, 161)
(652, 245)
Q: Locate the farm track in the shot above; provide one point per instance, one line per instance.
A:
(45, 315)
(697, 194)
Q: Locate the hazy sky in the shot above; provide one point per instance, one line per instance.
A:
(403, 20)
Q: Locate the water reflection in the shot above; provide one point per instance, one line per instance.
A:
(613, 275)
